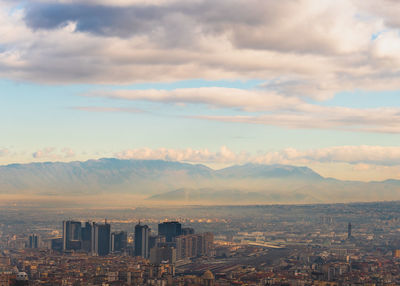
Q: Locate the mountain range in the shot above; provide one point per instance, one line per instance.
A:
(156, 181)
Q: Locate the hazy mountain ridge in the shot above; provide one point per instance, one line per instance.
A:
(275, 171)
(95, 175)
(157, 180)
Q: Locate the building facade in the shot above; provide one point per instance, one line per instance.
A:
(170, 230)
(142, 234)
(71, 235)
(101, 239)
(118, 241)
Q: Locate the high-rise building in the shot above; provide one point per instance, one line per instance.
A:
(101, 239)
(170, 230)
(186, 246)
(142, 234)
(33, 241)
(87, 237)
(349, 230)
(57, 244)
(194, 245)
(118, 241)
(71, 235)
(207, 243)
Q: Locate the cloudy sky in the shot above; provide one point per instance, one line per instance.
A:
(302, 82)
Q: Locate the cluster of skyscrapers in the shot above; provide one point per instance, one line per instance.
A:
(172, 242)
(95, 238)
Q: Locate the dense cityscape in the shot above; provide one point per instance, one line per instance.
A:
(340, 244)
(200, 142)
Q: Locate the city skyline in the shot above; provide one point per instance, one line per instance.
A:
(305, 83)
(201, 142)
(308, 244)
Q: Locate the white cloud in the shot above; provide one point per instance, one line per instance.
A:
(374, 155)
(213, 96)
(368, 120)
(360, 156)
(275, 109)
(187, 155)
(386, 49)
(68, 152)
(308, 48)
(51, 153)
(47, 152)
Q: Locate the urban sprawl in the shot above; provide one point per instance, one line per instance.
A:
(342, 244)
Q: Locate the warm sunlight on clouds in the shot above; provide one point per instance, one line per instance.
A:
(317, 81)
(360, 156)
(175, 40)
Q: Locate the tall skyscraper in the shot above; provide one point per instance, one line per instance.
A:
(349, 230)
(142, 233)
(71, 235)
(101, 239)
(170, 230)
(87, 237)
(118, 241)
(33, 241)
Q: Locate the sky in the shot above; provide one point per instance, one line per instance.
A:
(301, 82)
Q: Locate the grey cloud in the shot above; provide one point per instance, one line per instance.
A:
(112, 21)
(139, 19)
(388, 10)
(166, 26)
(250, 24)
(103, 20)
(304, 55)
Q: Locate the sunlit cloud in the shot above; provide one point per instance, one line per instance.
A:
(270, 108)
(356, 155)
(378, 120)
(68, 153)
(213, 96)
(301, 53)
(344, 45)
(52, 153)
(47, 152)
